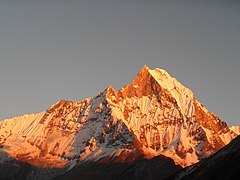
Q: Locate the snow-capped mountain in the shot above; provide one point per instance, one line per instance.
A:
(153, 115)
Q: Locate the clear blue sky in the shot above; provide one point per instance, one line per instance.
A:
(53, 49)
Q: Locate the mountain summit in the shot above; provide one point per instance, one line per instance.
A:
(153, 115)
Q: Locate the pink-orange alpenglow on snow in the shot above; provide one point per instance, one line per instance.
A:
(153, 115)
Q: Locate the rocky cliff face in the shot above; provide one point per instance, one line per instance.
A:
(153, 115)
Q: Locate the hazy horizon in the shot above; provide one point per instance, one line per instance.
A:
(52, 50)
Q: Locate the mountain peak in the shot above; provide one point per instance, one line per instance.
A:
(159, 71)
(149, 82)
(145, 67)
(166, 118)
(154, 114)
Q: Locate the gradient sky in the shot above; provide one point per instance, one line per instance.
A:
(52, 50)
